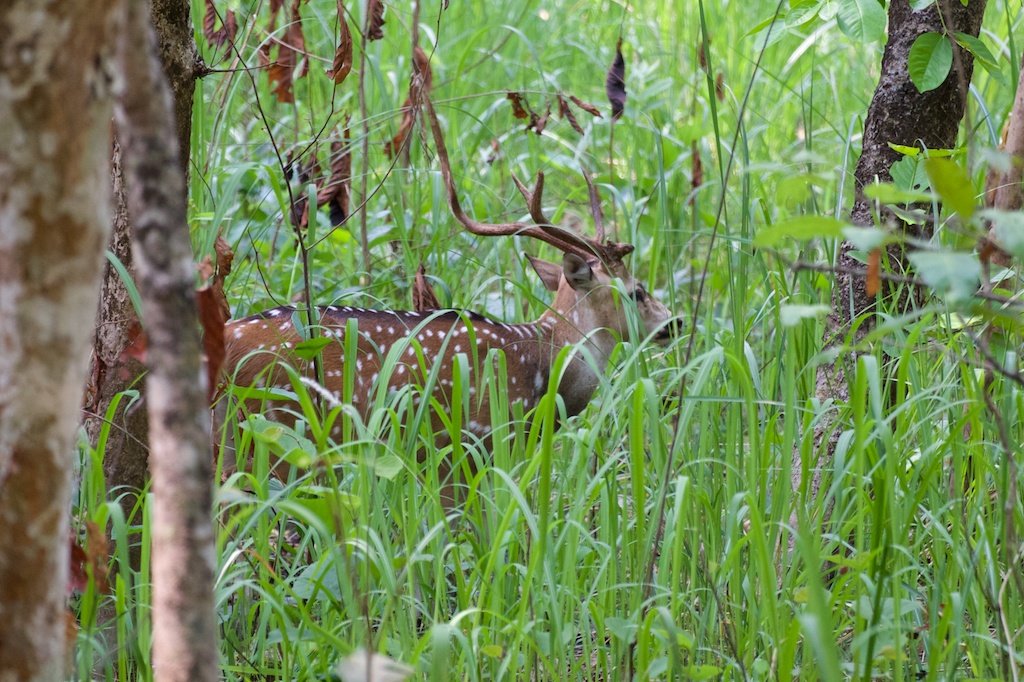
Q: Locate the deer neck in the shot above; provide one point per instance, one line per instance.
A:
(568, 325)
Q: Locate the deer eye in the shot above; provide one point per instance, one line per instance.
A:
(639, 294)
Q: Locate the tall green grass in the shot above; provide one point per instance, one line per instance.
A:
(652, 536)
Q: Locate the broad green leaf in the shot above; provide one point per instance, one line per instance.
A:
(953, 275)
(867, 238)
(953, 186)
(906, 150)
(862, 20)
(982, 55)
(793, 314)
(387, 466)
(621, 628)
(309, 348)
(930, 59)
(1009, 230)
(801, 228)
(891, 194)
(702, 672)
(283, 442)
(492, 650)
(908, 174)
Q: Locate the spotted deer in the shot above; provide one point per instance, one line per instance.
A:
(593, 294)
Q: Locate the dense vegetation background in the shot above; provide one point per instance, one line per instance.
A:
(657, 535)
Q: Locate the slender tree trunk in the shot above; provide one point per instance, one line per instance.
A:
(898, 114)
(184, 629)
(56, 61)
(126, 453)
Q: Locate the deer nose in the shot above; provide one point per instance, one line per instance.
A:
(669, 330)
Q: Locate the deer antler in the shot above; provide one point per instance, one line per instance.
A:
(563, 240)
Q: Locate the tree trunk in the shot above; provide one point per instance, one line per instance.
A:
(901, 115)
(184, 628)
(176, 41)
(126, 454)
(56, 62)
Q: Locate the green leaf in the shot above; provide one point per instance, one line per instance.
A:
(982, 55)
(310, 348)
(930, 59)
(891, 194)
(867, 238)
(702, 672)
(1009, 230)
(953, 275)
(976, 47)
(862, 20)
(283, 442)
(792, 314)
(387, 466)
(802, 228)
(952, 185)
(621, 628)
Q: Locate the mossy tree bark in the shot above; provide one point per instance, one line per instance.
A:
(183, 556)
(56, 64)
(901, 115)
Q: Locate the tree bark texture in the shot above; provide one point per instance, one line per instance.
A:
(126, 452)
(901, 115)
(183, 559)
(56, 62)
(172, 21)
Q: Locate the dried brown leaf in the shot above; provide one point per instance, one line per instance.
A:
(421, 67)
(342, 65)
(395, 144)
(374, 30)
(209, 22)
(336, 193)
(615, 83)
(518, 110)
(720, 87)
(564, 112)
(586, 106)
(423, 296)
(541, 122)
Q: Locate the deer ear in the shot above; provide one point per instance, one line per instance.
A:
(577, 271)
(549, 273)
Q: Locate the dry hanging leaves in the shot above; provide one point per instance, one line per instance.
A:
(564, 112)
(374, 29)
(336, 193)
(92, 560)
(423, 296)
(342, 65)
(422, 80)
(540, 123)
(226, 33)
(615, 83)
(283, 71)
(517, 105)
(586, 106)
